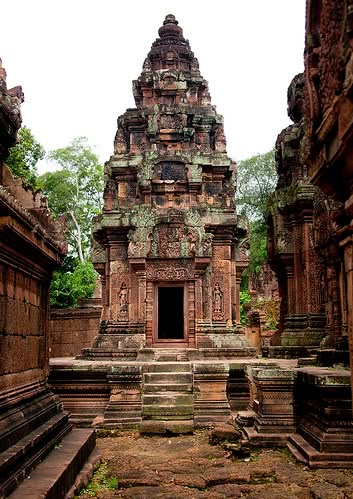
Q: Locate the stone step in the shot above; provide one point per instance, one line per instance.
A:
(21, 458)
(166, 412)
(306, 453)
(168, 378)
(31, 413)
(170, 354)
(167, 398)
(169, 357)
(55, 476)
(170, 387)
(170, 426)
(167, 367)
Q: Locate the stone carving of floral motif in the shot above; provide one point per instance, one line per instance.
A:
(140, 241)
(193, 219)
(195, 172)
(145, 174)
(98, 254)
(168, 274)
(144, 217)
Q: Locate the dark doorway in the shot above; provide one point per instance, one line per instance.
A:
(171, 313)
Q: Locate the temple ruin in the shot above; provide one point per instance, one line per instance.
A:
(170, 250)
(169, 246)
(169, 353)
(169, 233)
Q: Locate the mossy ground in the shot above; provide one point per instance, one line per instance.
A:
(187, 466)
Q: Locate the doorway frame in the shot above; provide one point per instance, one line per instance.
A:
(172, 343)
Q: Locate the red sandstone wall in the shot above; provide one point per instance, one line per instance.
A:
(73, 329)
(23, 324)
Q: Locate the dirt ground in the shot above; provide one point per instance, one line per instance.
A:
(187, 466)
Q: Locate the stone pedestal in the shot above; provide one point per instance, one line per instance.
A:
(210, 394)
(325, 433)
(84, 389)
(273, 402)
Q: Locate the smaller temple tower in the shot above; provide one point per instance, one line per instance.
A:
(169, 246)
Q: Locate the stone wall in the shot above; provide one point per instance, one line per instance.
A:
(327, 148)
(74, 328)
(33, 421)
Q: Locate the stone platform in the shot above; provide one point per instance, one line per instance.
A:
(166, 391)
(306, 408)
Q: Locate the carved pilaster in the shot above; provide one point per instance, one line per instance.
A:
(191, 313)
(149, 313)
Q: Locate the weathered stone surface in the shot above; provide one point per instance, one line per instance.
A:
(273, 401)
(328, 144)
(189, 464)
(325, 491)
(334, 477)
(73, 329)
(325, 432)
(224, 432)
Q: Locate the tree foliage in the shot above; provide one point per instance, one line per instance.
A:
(24, 157)
(258, 251)
(75, 189)
(74, 281)
(257, 180)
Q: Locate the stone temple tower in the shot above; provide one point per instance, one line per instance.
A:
(169, 246)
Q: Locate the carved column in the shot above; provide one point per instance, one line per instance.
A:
(198, 297)
(106, 289)
(149, 313)
(236, 308)
(191, 314)
(290, 289)
(207, 298)
(347, 245)
(141, 296)
(234, 293)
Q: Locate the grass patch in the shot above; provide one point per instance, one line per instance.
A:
(286, 453)
(101, 480)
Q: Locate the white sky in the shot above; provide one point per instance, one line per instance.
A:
(76, 59)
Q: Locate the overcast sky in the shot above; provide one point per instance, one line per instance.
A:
(76, 59)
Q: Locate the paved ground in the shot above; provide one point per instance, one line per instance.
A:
(187, 466)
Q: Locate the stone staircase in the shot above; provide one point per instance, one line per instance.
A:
(170, 355)
(167, 399)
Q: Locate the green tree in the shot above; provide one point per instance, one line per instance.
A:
(75, 189)
(24, 157)
(257, 180)
(74, 281)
